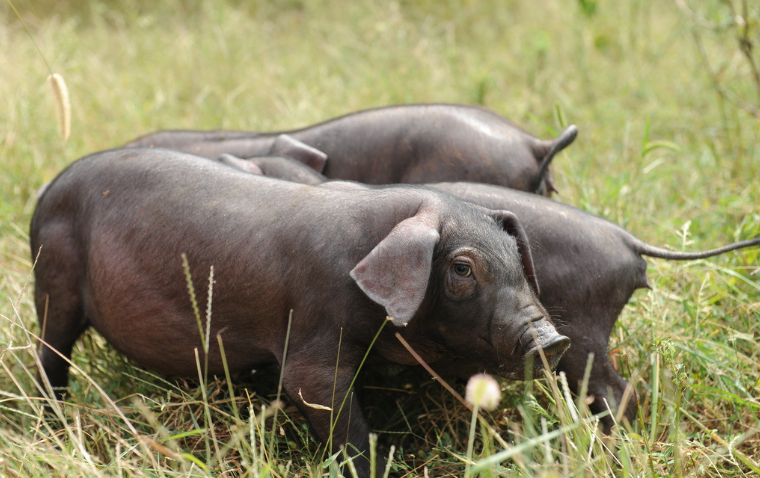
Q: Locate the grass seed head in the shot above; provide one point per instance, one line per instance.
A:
(62, 104)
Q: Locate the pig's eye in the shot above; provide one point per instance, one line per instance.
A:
(462, 269)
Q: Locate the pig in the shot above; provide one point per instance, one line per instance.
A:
(588, 269)
(454, 279)
(415, 144)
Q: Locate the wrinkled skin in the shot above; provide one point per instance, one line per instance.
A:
(588, 269)
(399, 144)
(456, 279)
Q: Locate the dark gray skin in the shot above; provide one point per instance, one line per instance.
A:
(456, 279)
(588, 269)
(411, 144)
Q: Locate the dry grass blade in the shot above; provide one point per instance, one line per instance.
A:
(315, 406)
(432, 372)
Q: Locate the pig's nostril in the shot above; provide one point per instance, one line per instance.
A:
(553, 348)
(556, 346)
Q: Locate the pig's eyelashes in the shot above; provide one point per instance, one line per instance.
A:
(462, 269)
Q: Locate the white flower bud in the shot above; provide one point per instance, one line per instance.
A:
(483, 391)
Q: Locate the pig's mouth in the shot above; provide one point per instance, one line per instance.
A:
(540, 334)
(532, 343)
(540, 338)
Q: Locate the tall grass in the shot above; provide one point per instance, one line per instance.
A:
(663, 150)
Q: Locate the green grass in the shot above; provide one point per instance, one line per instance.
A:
(630, 74)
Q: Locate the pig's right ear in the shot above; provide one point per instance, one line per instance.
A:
(286, 145)
(242, 164)
(396, 272)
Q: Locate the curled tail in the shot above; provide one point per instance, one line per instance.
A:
(554, 147)
(652, 251)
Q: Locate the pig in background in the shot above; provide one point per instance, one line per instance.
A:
(412, 144)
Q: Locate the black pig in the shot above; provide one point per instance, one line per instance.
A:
(456, 279)
(399, 144)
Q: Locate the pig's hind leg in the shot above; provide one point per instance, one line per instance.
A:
(60, 309)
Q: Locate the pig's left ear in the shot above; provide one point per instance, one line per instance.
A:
(396, 273)
(241, 164)
(512, 225)
(286, 145)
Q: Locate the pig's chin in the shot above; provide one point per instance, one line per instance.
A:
(529, 367)
(523, 361)
(531, 363)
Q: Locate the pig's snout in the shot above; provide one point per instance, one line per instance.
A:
(522, 346)
(553, 347)
(557, 346)
(541, 335)
(544, 338)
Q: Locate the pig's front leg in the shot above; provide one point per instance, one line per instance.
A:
(308, 377)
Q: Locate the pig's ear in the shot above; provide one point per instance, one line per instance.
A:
(396, 273)
(285, 145)
(512, 225)
(242, 164)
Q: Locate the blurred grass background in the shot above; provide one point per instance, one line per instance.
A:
(666, 104)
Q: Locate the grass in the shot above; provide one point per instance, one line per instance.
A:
(667, 148)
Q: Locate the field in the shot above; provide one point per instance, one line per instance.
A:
(666, 96)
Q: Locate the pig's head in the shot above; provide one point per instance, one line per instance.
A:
(462, 285)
